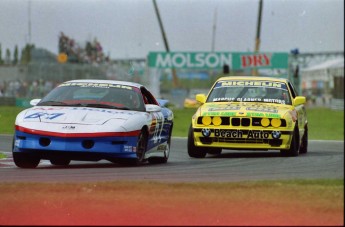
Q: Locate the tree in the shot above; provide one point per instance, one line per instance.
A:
(26, 54)
(1, 61)
(8, 57)
(15, 55)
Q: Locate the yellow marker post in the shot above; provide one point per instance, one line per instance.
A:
(62, 58)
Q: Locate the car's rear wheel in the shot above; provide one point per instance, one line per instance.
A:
(294, 147)
(60, 161)
(304, 145)
(194, 151)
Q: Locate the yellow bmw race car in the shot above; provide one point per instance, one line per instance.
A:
(250, 113)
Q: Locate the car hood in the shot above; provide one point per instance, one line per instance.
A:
(244, 110)
(74, 115)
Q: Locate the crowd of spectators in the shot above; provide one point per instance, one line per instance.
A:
(91, 53)
(26, 89)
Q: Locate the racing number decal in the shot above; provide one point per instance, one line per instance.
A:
(47, 116)
(157, 126)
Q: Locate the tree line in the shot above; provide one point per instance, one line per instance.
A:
(14, 59)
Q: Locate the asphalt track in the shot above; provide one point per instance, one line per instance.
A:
(325, 159)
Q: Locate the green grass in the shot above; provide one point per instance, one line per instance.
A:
(324, 123)
(7, 117)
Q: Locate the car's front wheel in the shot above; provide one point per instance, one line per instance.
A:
(304, 145)
(140, 153)
(194, 151)
(294, 146)
(23, 160)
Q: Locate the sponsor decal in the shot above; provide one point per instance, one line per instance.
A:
(257, 134)
(256, 60)
(223, 108)
(226, 114)
(99, 85)
(228, 133)
(252, 83)
(84, 109)
(68, 127)
(262, 109)
(268, 115)
(189, 59)
(249, 114)
(127, 148)
(248, 99)
(279, 101)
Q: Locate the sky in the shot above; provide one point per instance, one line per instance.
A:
(130, 29)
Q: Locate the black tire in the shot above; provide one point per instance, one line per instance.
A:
(60, 161)
(304, 145)
(159, 160)
(193, 151)
(141, 150)
(294, 147)
(24, 160)
(214, 151)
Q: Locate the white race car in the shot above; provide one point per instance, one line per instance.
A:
(90, 120)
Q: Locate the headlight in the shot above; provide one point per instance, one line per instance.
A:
(265, 122)
(216, 121)
(206, 120)
(275, 122)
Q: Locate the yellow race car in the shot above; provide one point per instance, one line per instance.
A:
(250, 113)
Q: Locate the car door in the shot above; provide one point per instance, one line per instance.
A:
(156, 126)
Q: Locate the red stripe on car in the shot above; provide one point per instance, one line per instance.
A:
(94, 134)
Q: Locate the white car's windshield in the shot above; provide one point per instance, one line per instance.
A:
(95, 95)
(250, 91)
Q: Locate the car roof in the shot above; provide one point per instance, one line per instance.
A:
(127, 83)
(253, 78)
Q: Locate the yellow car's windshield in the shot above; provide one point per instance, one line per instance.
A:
(250, 91)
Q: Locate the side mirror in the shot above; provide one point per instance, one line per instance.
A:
(200, 98)
(152, 108)
(34, 102)
(299, 100)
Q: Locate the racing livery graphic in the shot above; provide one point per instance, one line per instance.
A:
(90, 120)
(251, 113)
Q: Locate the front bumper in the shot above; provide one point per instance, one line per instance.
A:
(242, 138)
(76, 148)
